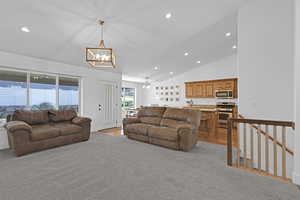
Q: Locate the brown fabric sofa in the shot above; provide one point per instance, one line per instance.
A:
(169, 127)
(30, 131)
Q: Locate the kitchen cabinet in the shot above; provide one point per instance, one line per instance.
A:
(198, 90)
(189, 90)
(207, 89)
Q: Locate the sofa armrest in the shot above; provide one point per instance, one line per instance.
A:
(81, 120)
(127, 121)
(185, 127)
(18, 133)
(187, 136)
(14, 126)
(85, 124)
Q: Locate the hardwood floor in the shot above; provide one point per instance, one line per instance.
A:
(112, 131)
(219, 138)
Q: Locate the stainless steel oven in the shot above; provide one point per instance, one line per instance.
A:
(225, 111)
(224, 94)
(223, 116)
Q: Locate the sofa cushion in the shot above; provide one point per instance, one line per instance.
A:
(194, 117)
(43, 132)
(151, 120)
(151, 112)
(176, 114)
(68, 128)
(171, 123)
(138, 128)
(31, 117)
(62, 115)
(163, 133)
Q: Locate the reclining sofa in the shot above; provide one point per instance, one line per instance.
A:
(173, 128)
(30, 131)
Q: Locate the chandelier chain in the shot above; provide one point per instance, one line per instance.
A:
(102, 27)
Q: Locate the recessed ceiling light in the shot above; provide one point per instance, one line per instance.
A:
(228, 34)
(155, 68)
(186, 53)
(171, 73)
(168, 15)
(234, 46)
(198, 61)
(25, 29)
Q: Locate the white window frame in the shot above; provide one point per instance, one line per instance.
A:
(28, 93)
(135, 92)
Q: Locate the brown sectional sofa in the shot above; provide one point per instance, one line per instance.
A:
(169, 127)
(30, 131)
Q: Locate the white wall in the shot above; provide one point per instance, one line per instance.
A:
(265, 63)
(224, 68)
(89, 77)
(265, 59)
(297, 92)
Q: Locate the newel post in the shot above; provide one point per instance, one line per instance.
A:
(229, 142)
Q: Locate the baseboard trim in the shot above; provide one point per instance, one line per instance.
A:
(296, 178)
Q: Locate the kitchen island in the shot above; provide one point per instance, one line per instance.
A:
(209, 119)
(210, 129)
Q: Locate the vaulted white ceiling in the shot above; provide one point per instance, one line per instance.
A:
(136, 29)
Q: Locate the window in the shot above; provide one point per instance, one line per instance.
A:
(42, 92)
(68, 93)
(13, 92)
(128, 98)
(36, 91)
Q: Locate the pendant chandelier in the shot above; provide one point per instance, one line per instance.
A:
(100, 57)
(147, 84)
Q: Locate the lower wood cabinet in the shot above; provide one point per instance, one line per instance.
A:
(207, 89)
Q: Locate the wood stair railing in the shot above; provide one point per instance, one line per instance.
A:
(254, 162)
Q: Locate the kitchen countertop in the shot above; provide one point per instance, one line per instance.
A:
(204, 108)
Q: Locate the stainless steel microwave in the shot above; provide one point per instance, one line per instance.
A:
(224, 94)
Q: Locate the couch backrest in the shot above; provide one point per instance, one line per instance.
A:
(43, 116)
(31, 117)
(177, 116)
(151, 115)
(62, 115)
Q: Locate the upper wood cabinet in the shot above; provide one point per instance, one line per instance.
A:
(210, 90)
(207, 89)
(189, 90)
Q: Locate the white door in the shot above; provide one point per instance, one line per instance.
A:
(106, 106)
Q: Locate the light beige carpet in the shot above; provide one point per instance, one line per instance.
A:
(115, 168)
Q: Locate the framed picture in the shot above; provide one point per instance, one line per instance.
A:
(171, 87)
(177, 99)
(171, 93)
(166, 93)
(166, 88)
(167, 99)
(157, 88)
